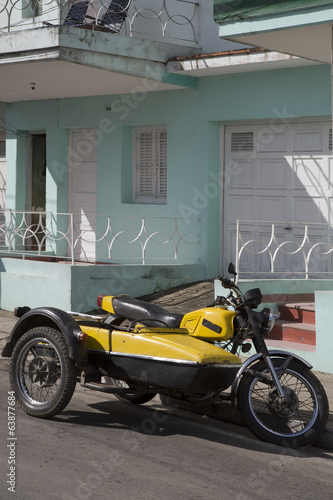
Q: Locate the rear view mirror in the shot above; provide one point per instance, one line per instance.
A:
(231, 269)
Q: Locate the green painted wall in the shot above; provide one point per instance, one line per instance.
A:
(192, 117)
(226, 10)
(76, 288)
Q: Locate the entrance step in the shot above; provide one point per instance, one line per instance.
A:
(299, 313)
(297, 324)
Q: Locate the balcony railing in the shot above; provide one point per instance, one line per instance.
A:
(284, 249)
(101, 239)
(174, 20)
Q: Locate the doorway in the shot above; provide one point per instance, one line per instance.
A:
(36, 192)
(83, 192)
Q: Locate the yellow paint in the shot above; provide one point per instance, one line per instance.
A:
(98, 338)
(218, 316)
(178, 346)
(107, 303)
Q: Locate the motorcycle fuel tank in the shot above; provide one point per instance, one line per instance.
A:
(210, 323)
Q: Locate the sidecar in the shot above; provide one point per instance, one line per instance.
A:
(51, 349)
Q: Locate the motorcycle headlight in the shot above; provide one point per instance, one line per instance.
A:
(269, 317)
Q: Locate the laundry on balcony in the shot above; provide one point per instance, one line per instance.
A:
(112, 19)
(76, 14)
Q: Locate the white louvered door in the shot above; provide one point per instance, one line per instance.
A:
(83, 192)
(275, 172)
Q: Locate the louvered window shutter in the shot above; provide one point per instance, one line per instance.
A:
(2, 149)
(150, 165)
(162, 141)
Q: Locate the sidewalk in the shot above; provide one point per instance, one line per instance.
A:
(181, 300)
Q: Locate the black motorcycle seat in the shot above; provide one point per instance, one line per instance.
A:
(135, 309)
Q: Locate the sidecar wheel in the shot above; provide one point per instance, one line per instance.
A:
(41, 372)
(295, 424)
(132, 398)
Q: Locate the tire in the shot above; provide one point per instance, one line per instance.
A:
(41, 372)
(132, 398)
(297, 425)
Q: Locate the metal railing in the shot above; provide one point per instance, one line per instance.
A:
(99, 238)
(172, 19)
(284, 249)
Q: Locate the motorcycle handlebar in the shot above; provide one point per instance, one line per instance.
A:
(226, 282)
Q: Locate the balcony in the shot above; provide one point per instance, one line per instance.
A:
(64, 237)
(264, 251)
(175, 21)
(88, 58)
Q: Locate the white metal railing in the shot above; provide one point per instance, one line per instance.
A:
(99, 238)
(172, 19)
(284, 249)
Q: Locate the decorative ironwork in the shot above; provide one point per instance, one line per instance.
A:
(114, 239)
(284, 249)
(172, 19)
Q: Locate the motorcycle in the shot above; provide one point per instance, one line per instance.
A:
(138, 350)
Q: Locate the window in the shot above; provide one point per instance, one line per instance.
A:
(150, 165)
(2, 149)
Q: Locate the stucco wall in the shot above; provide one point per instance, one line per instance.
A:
(192, 118)
(31, 283)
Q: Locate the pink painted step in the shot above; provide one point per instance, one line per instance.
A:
(296, 324)
(301, 333)
(299, 313)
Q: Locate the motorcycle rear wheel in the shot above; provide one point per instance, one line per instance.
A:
(132, 398)
(297, 423)
(41, 372)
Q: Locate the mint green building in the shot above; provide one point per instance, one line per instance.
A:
(131, 155)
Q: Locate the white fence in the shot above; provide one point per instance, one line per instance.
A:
(111, 239)
(173, 19)
(284, 249)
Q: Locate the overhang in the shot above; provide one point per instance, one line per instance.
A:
(59, 62)
(234, 61)
(298, 27)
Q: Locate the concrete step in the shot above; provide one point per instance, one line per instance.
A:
(301, 312)
(289, 331)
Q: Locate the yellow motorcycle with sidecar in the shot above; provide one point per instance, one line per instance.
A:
(138, 350)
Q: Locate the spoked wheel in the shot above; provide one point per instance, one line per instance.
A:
(42, 374)
(296, 421)
(132, 398)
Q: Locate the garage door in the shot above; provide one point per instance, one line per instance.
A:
(279, 173)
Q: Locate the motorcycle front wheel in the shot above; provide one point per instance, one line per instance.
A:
(294, 422)
(41, 373)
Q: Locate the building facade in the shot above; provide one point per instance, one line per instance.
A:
(131, 155)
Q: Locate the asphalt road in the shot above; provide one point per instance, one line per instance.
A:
(102, 448)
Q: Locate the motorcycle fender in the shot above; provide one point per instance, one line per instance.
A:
(256, 357)
(53, 318)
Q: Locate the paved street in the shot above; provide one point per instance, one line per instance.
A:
(102, 448)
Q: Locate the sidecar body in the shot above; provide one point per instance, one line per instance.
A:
(161, 357)
(155, 358)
